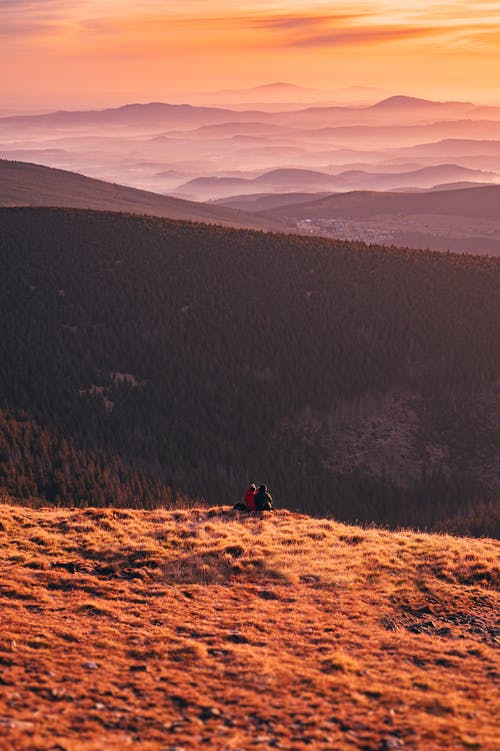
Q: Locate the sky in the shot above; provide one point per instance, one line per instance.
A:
(70, 53)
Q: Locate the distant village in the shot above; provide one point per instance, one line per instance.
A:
(412, 231)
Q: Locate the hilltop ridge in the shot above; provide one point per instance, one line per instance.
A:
(191, 627)
(26, 184)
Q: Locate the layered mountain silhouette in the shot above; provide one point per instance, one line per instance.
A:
(292, 180)
(160, 146)
(129, 114)
(393, 108)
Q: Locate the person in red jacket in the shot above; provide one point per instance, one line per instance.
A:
(250, 498)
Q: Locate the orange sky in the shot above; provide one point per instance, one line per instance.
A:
(89, 52)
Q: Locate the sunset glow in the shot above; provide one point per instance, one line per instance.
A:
(86, 52)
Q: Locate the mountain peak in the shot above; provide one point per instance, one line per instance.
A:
(278, 85)
(400, 100)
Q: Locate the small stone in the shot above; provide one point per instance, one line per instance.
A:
(179, 702)
(444, 631)
(236, 551)
(91, 665)
(391, 742)
(237, 638)
(266, 594)
(415, 628)
(208, 713)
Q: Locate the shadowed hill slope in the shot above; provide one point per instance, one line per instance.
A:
(24, 184)
(188, 628)
(144, 359)
(477, 202)
(465, 220)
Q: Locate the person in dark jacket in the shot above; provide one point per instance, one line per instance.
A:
(263, 499)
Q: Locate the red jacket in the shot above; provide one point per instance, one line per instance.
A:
(250, 499)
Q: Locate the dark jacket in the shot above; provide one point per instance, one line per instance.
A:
(263, 501)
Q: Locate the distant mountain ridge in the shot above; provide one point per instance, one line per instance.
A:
(127, 114)
(142, 113)
(414, 102)
(293, 180)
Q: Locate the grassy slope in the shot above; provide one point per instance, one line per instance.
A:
(199, 628)
(25, 184)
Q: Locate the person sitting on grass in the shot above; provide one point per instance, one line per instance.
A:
(263, 499)
(249, 504)
(250, 498)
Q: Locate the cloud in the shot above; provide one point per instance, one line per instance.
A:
(388, 22)
(251, 23)
(364, 35)
(302, 22)
(29, 17)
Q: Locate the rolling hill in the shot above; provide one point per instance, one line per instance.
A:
(147, 360)
(456, 147)
(264, 202)
(267, 201)
(462, 219)
(478, 203)
(459, 217)
(24, 184)
(166, 630)
(148, 114)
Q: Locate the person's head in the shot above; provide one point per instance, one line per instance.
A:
(252, 487)
(262, 488)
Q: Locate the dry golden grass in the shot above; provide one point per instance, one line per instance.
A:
(202, 628)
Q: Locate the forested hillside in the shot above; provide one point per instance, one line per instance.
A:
(143, 360)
